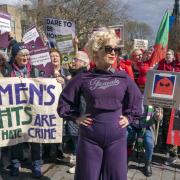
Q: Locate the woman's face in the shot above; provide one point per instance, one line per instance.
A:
(107, 55)
(22, 57)
(55, 58)
(138, 55)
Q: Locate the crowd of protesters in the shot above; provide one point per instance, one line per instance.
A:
(101, 105)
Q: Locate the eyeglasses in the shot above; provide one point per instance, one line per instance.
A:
(76, 60)
(109, 49)
(139, 54)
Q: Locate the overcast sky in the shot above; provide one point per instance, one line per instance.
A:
(149, 11)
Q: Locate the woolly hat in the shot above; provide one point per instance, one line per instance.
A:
(81, 55)
(16, 48)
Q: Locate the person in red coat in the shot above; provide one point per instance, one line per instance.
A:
(177, 61)
(167, 64)
(144, 65)
(126, 65)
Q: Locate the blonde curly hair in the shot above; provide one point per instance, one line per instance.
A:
(98, 40)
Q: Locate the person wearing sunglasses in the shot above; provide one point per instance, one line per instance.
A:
(112, 100)
(136, 56)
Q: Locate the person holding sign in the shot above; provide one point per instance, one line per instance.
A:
(22, 68)
(168, 64)
(144, 129)
(62, 76)
(4, 69)
(112, 100)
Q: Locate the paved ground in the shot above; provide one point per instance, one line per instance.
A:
(58, 171)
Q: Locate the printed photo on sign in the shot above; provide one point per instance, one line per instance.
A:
(163, 85)
(118, 29)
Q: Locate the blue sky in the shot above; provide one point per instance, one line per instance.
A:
(149, 11)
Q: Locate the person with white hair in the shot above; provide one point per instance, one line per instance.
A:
(112, 100)
(4, 65)
(21, 67)
(80, 63)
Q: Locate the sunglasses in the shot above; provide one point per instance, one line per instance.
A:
(109, 49)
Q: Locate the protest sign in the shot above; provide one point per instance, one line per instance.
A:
(119, 31)
(5, 28)
(28, 111)
(4, 40)
(162, 89)
(61, 33)
(140, 44)
(39, 52)
(64, 44)
(31, 35)
(5, 22)
(174, 128)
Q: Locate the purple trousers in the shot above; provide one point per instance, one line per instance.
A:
(102, 151)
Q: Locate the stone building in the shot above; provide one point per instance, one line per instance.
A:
(15, 20)
(22, 17)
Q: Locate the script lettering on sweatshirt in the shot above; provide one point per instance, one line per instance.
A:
(103, 83)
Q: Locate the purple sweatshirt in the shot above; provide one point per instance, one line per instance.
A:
(107, 94)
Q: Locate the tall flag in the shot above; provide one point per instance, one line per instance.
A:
(161, 43)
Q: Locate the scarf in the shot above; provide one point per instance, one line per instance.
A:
(23, 72)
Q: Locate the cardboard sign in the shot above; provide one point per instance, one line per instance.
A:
(60, 34)
(39, 52)
(162, 89)
(4, 40)
(28, 111)
(140, 44)
(64, 44)
(5, 22)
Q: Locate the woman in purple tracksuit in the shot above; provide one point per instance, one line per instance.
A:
(112, 101)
